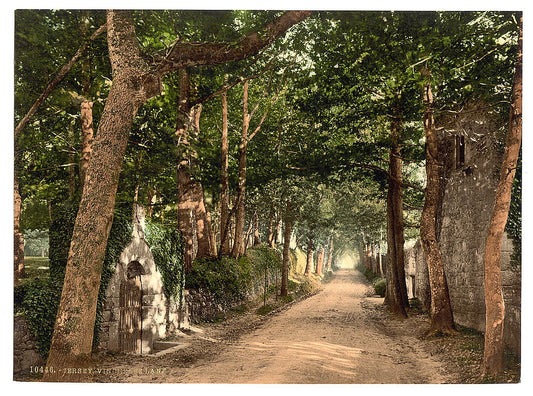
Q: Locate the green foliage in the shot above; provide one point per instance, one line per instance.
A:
(167, 248)
(119, 238)
(265, 309)
(60, 235)
(35, 242)
(380, 286)
(228, 279)
(264, 257)
(38, 300)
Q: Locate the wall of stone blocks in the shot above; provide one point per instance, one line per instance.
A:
(25, 353)
(467, 200)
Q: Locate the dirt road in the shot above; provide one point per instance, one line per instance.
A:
(339, 335)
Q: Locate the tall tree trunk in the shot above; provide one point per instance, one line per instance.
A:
(396, 295)
(204, 232)
(193, 221)
(309, 261)
(441, 309)
(151, 198)
(270, 236)
(238, 242)
(134, 82)
(86, 106)
(74, 327)
(330, 254)
(18, 239)
(493, 359)
(257, 240)
(71, 160)
(87, 137)
(186, 201)
(288, 220)
(320, 261)
(277, 229)
(224, 181)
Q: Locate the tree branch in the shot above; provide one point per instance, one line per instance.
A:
(227, 87)
(194, 54)
(365, 166)
(64, 70)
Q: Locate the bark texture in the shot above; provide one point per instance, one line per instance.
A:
(194, 222)
(271, 226)
(238, 242)
(287, 232)
(396, 294)
(440, 310)
(224, 180)
(133, 84)
(330, 254)
(257, 239)
(320, 262)
(184, 54)
(87, 136)
(493, 359)
(18, 239)
(310, 252)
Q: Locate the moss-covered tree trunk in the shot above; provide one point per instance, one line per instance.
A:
(440, 310)
(134, 82)
(493, 358)
(87, 137)
(271, 226)
(73, 331)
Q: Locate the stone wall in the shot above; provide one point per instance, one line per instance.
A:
(203, 306)
(471, 172)
(25, 353)
(159, 316)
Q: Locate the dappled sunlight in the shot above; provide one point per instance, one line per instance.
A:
(336, 358)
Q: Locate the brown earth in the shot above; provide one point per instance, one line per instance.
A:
(342, 334)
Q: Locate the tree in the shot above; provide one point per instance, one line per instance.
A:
(396, 292)
(288, 221)
(50, 86)
(493, 357)
(134, 82)
(441, 310)
(238, 244)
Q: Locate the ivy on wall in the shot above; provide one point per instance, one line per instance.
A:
(167, 248)
(231, 280)
(39, 299)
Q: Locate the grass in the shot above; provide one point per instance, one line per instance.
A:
(35, 267)
(465, 350)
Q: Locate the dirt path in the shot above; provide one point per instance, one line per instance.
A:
(327, 338)
(340, 335)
